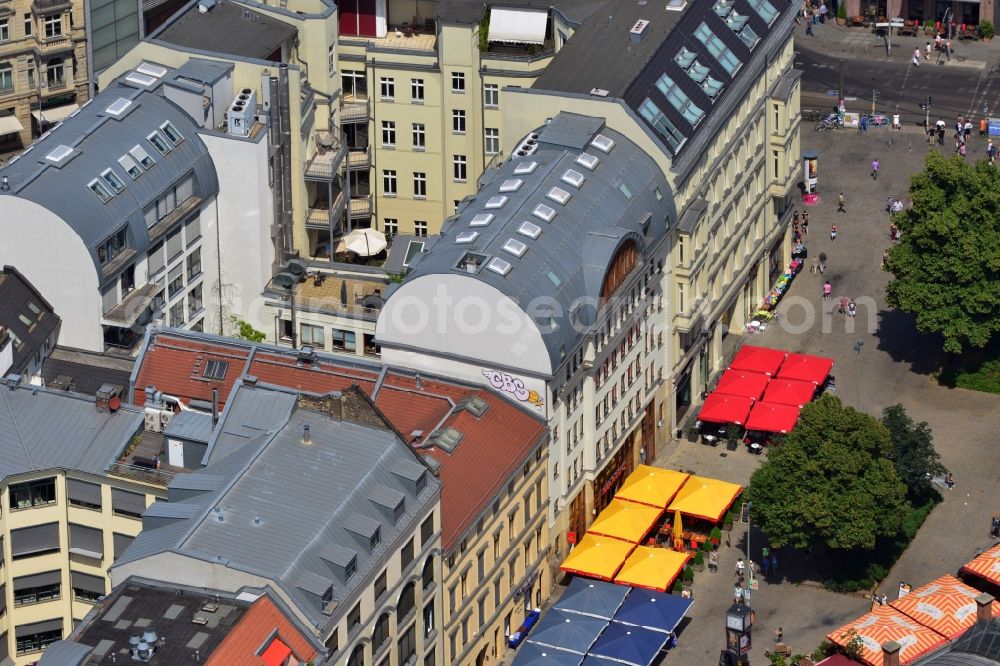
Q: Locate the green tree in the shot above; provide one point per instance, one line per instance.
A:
(913, 454)
(831, 481)
(946, 268)
(244, 331)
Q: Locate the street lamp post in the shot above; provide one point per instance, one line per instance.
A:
(749, 561)
(857, 350)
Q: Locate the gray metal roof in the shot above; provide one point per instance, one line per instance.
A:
(227, 28)
(99, 139)
(199, 70)
(284, 510)
(44, 429)
(568, 260)
(88, 370)
(192, 426)
(978, 646)
(65, 653)
(256, 412)
(16, 292)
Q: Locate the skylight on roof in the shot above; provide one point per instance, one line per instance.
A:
(723, 7)
(141, 79)
(749, 37)
(466, 237)
(515, 247)
(712, 87)
(588, 161)
(481, 220)
(499, 266)
(511, 185)
(573, 177)
(496, 202)
(722, 53)
(525, 167)
(764, 9)
(529, 229)
(151, 70)
(544, 212)
(676, 5)
(59, 153)
(603, 143)
(118, 107)
(698, 72)
(558, 195)
(684, 57)
(679, 99)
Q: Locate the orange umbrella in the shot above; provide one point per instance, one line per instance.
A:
(986, 565)
(946, 605)
(883, 624)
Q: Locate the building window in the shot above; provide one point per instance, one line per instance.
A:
(419, 228)
(38, 641)
(55, 73)
(380, 585)
(491, 95)
(774, 158)
(419, 136)
(428, 618)
(406, 602)
(177, 314)
(417, 90)
(195, 302)
(408, 645)
(53, 25)
(419, 185)
(176, 281)
(492, 142)
(388, 89)
(390, 226)
(36, 595)
(457, 82)
(6, 77)
(381, 633)
(357, 656)
(29, 25)
(4, 30)
(354, 617)
(86, 596)
(343, 340)
(389, 182)
(389, 133)
(406, 555)
(311, 335)
(33, 493)
(194, 264)
(458, 121)
(460, 168)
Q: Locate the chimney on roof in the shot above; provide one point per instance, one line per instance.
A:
(215, 405)
(419, 386)
(890, 653)
(637, 31)
(984, 607)
(306, 439)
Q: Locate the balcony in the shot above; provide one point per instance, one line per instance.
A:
(132, 306)
(515, 53)
(401, 38)
(361, 207)
(330, 152)
(354, 109)
(39, 7)
(359, 160)
(321, 215)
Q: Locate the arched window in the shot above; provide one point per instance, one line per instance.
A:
(407, 600)
(357, 657)
(621, 265)
(427, 577)
(381, 633)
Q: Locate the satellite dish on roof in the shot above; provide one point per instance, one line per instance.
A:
(284, 280)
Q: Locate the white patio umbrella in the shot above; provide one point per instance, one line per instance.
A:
(365, 242)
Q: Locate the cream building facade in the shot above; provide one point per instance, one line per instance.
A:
(43, 67)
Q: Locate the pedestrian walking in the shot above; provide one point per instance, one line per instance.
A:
(991, 151)
(827, 290)
(927, 52)
(852, 309)
(740, 568)
(822, 262)
(840, 203)
(765, 566)
(962, 149)
(779, 633)
(947, 50)
(863, 124)
(875, 166)
(713, 561)
(885, 259)
(805, 223)
(833, 232)
(809, 29)
(774, 564)
(843, 305)
(967, 130)
(815, 266)
(995, 526)
(916, 55)
(895, 121)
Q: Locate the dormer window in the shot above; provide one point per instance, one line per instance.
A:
(130, 166)
(171, 133)
(101, 190)
(376, 538)
(112, 179)
(141, 156)
(159, 143)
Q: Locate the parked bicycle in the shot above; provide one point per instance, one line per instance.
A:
(877, 119)
(830, 122)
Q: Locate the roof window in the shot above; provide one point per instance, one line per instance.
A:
(466, 237)
(141, 79)
(558, 195)
(749, 37)
(101, 190)
(413, 249)
(215, 370)
(511, 185)
(544, 212)
(172, 134)
(525, 167)
(698, 72)
(684, 57)
(446, 439)
(676, 5)
(764, 9)
(515, 247)
(603, 143)
(496, 202)
(160, 143)
(573, 177)
(588, 161)
(722, 53)
(118, 107)
(499, 266)
(659, 121)
(475, 405)
(712, 87)
(553, 278)
(151, 70)
(529, 229)
(141, 156)
(130, 166)
(626, 192)
(481, 220)
(59, 154)
(679, 99)
(112, 179)
(723, 8)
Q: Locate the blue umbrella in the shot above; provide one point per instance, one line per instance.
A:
(653, 610)
(592, 597)
(539, 655)
(567, 631)
(629, 645)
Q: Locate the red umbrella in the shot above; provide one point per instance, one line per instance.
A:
(722, 408)
(772, 418)
(806, 368)
(789, 392)
(758, 359)
(741, 382)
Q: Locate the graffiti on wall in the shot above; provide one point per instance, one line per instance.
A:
(503, 381)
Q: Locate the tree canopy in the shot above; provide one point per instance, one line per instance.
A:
(946, 267)
(913, 454)
(830, 481)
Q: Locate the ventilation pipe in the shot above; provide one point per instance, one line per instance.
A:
(280, 133)
(215, 405)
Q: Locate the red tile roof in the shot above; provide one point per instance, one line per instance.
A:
(493, 447)
(170, 366)
(240, 646)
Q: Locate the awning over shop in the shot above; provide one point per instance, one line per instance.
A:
(758, 359)
(789, 392)
(540, 655)
(721, 408)
(627, 521)
(597, 557)
(55, 114)
(946, 605)
(770, 417)
(742, 382)
(885, 623)
(651, 485)
(519, 26)
(653, 610)
(652, 568)
(806, 368)
(567, 631)
(986, 566)
(10, 124)
(629, 645)
(592, 597)
(702, 497)
(276, 653)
